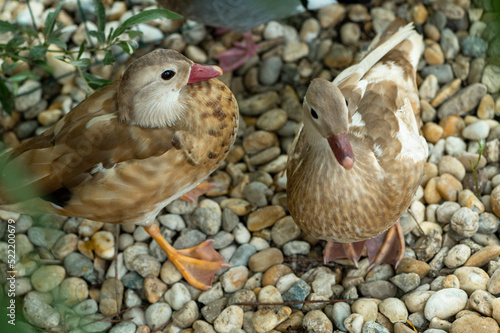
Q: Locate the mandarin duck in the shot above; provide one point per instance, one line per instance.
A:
(241, 16)
(358, 158)
(129, 149)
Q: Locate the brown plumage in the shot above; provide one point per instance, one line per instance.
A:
(359, 158)
(129, 149)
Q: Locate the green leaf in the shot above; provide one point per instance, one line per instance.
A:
(95, 82)
(22, 76)
(127, 47)
(7, 67)
(109, 58)
(6, 27)
(101, 15)
(57, 42)
(134, 33)
(80, 62)
(99, 35)
(144, 16)
(82, 48)
(44, 65)
(6, 98)
(50, 21)
(15, 42)
(38, 51)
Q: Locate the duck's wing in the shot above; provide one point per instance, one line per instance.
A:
(84, 142)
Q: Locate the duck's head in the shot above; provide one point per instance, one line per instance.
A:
(150, 91)
(325, 108)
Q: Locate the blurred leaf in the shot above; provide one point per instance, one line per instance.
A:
(50, 21)
(80, 62)
(15, 42)
(22, 76)
(7, 67)
(109, 58)
(57, 42)
(6, 98)
(99, 35)
(82, 48)
(44, 65)
(38, 51)
(101, 16)
(144, 16)
(95, 82)
(134, 33)
(127, 47)
(6, 27)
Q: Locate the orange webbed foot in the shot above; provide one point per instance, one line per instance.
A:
(351, 251)
(198, 191)
(197, 264)
(233, 58)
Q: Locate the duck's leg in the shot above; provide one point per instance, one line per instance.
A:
(198, 191)
(197, 264)
(352, 251)
(388, 247)
(233, 58)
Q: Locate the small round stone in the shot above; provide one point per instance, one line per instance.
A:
(264, 259)
(157, 315)
(317, 321)
(177, 296)
(472, 278)
(445, 303)
(47, 277)
(104, 244)
(457, 256)
(234, 279)
(394, 309)
(154, 288)
(474, 323)
(465, 222)
(77, 264)
(231, 318)
(74, 290)
(367, 308)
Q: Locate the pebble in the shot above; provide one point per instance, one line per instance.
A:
(339, 56)
(231, 318)
(474, 323)
(411, 265)
(86, 307)
(146, 265)
(446, 92)
(317, 321)
(73, 290)
(242, 255)
(111, 296)
(394, 309)
(465, 222)
(443, 73)
(481, 301)
(264, 217)
(378, 289)
(44, 237)
(483, 256)
(234, 279)
(186, 316)
(207, 217)
(354, 323)
(258, 103)
(367, 308)
(445, 303)
(39, 313)
(350, 33)
(416, 300)
(490, 78)
(448, 187)
(309, 30)
(331, 15)
(457, 256)
(47, 277)
(433, 53)
(406, 281)
(177, 296)
(123, 327)
(157, 315)
(472, 279)
(77, 265)
(95, 323)
(154, 288)
(428, 88)
(463, 101)
(476, 131)
(449, 43)
(297, 292)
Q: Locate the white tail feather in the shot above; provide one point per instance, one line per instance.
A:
(373, 57)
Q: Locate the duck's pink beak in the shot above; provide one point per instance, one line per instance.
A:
(342, 150)
(202, 73)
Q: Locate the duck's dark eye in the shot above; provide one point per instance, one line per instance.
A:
(167, 75)
(314, 114)
(346, 103)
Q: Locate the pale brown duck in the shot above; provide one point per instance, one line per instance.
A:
(129, 149)
(359, 157)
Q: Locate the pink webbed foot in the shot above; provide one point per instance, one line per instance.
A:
(385, 248)
(233, 58)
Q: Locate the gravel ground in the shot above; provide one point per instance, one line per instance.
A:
(450, 276)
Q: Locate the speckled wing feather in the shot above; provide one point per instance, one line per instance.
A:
(91, 165)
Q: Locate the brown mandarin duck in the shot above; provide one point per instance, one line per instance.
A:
(129, 149)
(358, 159)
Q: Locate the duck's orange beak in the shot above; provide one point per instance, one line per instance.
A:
(202, 73)
(342, 150)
